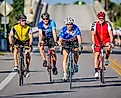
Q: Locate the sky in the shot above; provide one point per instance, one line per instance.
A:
(67, 1)
(72, 1)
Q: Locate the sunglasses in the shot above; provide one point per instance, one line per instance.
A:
(101, 18)
(23, 20)
(45, 18)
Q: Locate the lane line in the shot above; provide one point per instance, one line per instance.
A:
(115, 68)
(5, 82)
(115, 62)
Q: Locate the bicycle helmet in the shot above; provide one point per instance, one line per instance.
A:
(101, 15)
(69, 20)
(21, 16)
(45, 15)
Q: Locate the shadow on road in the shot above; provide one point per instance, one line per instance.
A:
(7, 71)
(113, 83)
(48, 92)
(37, 93)
(58, 81)
(8, 59)
(98, 86)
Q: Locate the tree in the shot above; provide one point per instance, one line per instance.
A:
(77, 2)
(18, 8)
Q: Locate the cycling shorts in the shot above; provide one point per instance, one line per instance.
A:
(23, 43)
(98, 49)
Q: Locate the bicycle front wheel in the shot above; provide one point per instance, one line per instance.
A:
(102, 70)
(70, 73)
(21, 72)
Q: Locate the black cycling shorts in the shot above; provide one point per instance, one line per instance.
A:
(67, 44)
(48, 42)
(23, 43)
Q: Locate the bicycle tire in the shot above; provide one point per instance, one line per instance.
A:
(70, 72)
(102, 70)
(49, 65)
(21, 70)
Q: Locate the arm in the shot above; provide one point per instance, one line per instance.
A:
(54, 35)
(93, 32)
(60, 41)
(110, 30)
(60, 37)
(40, 35)
(11, 36)
(92, 36)
(79, 37)
(31, 37)
(54, 31)
(111, 36)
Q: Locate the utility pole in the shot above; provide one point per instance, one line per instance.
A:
(5, 31)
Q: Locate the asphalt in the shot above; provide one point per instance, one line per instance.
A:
(38, 85)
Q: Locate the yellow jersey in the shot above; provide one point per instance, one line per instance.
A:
(21, 33)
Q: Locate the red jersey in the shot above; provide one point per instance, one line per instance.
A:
(102, 31)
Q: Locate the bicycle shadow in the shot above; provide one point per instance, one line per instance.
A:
(31, 94)
(108, 83)
(58, 81)
(6, 71)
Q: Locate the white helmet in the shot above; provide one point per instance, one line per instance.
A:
(69, 20)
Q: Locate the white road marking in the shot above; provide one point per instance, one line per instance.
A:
(5, 82)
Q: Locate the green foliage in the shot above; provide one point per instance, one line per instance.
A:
(18, 8)
(115, 13)
(77, 2)
(117, 23)
(61, 4)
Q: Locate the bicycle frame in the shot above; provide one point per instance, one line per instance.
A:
(102, 63)
(49, 63)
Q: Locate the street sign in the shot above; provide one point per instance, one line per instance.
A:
(9, 8)
(4, 21)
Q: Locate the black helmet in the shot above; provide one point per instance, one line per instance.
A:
(21, 16)
(45, 15)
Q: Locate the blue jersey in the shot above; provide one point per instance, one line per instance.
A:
(68, 36)
(47, 32)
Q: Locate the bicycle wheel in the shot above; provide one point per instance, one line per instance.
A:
(21, 70)
(102, 70)
(70, 72)
(49, 65)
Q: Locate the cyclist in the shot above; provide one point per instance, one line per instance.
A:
(70, 32)
(102, 32)
(21, 34)
(47, 29)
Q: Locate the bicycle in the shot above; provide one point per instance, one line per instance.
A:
(21, 63)
(70, 68)
(49, 43)
(101, 62)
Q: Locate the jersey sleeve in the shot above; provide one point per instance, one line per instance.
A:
(30, 30)
(40, 26)
(53, 24)
(12, 31)
(78, 32)
(61, 34)
(93, 27)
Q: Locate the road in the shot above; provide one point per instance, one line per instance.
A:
(84, 83)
